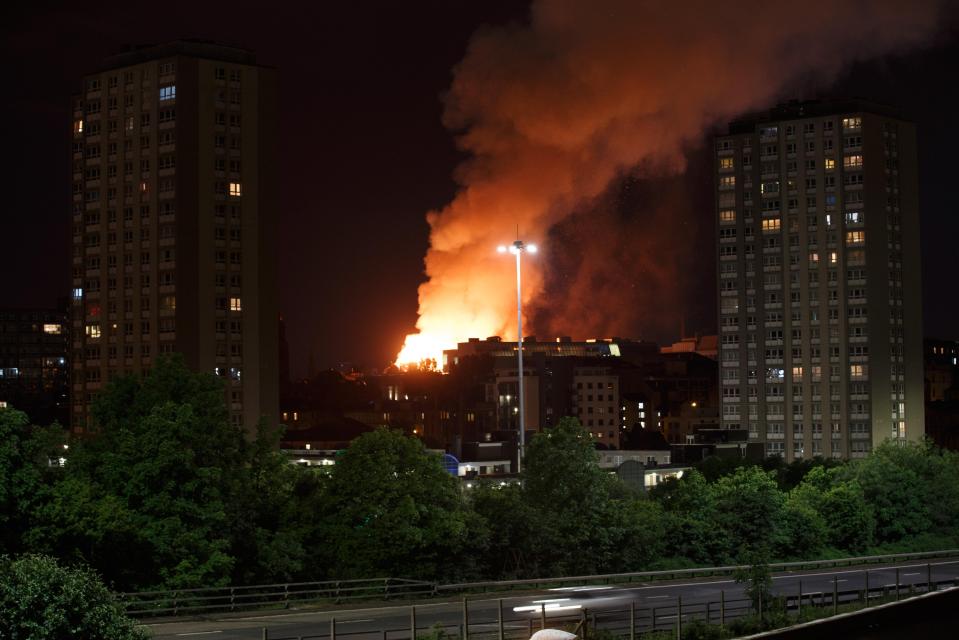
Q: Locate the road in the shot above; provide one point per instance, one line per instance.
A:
(653, 603)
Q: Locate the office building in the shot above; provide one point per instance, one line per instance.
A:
(174, 204)
(819, 279)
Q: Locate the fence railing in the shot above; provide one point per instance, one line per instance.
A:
(636, 620)
(700, 572)
(193, 601)
(265, 596)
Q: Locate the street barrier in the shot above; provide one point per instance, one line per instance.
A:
(266, 596)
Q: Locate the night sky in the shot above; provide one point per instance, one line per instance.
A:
(364, 154)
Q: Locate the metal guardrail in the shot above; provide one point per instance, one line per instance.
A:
(700, 572)
(266, 596)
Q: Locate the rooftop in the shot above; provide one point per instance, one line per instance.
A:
(138, 54)
(795, 110)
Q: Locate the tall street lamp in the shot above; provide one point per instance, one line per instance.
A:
(517, 249)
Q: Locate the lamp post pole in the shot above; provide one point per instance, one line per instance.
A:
(517, 249)
(519, 356)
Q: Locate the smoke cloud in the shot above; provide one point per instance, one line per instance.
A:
(591, 99)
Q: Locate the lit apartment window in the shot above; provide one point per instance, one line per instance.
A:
(797, 373)
(829, 164)
(725, 164)
(852, 162)
(813, 258)
(858, 371)
(855, 237)
(236, 304)
(833, 257)
(727, 215)
(235, 189)
(52, 329)
(849, 124)
(168, 93)
(772, 224)
(93, 330)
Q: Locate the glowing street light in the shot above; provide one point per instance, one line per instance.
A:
(517, 249)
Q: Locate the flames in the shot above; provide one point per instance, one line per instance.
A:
(471, 293)
(424, 350)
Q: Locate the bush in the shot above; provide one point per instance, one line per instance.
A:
(41, 600)
(436, 632)
(701, 630)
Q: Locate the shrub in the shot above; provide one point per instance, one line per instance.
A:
(40, 600)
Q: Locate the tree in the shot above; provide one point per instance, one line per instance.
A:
(510, 546)
(849, 517)
(691, 517)
(757, 576)
(802, 530)
(841, 506)
(788, 476)
(748, 507)
(901, 482)
(578, 527)
(643, 534)
(272, 513)
(41, 600)
(25, 475)
(391, 509)
(146, 500)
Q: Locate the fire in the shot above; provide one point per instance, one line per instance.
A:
(470, 293)
(421, 347)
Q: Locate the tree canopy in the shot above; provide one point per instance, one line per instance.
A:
(391, 509)
(168, 493)
(26, 476)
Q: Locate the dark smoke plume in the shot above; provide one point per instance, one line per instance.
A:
(588, 92)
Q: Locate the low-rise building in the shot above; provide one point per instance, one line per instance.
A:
(34, 372)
